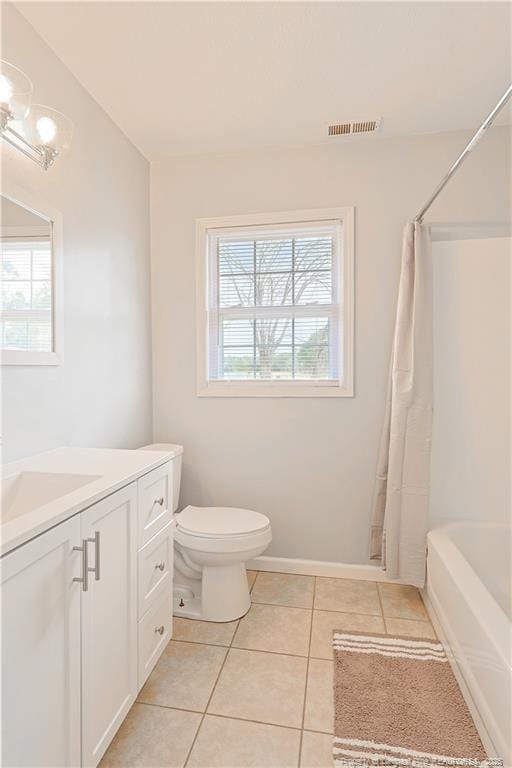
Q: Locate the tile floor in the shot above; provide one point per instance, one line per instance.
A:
(257, 693)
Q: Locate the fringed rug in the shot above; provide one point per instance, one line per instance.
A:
(397, 703)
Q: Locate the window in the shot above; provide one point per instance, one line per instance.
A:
(275, 304)
(26, 294)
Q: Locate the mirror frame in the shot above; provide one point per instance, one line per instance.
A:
(33, 202)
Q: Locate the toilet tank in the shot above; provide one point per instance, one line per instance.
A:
(174, 467)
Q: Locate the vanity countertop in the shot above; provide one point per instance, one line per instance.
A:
(85, 475)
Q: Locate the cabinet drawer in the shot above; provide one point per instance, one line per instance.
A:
(154, 503)
(155, 630)
(155, 568)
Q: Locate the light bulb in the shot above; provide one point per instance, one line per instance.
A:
(5, 90)
(46, 129)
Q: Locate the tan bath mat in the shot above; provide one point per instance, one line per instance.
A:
(397, 703)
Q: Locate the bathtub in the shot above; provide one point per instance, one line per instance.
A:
(468, 591)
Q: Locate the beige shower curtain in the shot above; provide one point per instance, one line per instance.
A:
(400, 504)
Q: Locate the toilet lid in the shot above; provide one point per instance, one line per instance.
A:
(220, 521)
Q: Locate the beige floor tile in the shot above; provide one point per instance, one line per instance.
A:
(152, 737)
(401, 602)
(251, 578)
(347, 596)
(274, 628)
(325, 622)
(410, 628)
(261, 686)
(184, 676)
(284, 589)
(208, 632)
(225, 743)
(319, 714)
(316, 750)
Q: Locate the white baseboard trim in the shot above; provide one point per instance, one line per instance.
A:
(319, 568)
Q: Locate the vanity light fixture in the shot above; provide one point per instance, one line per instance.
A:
(40, 132)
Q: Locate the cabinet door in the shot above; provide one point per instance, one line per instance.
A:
(41, 650)
(109, 620)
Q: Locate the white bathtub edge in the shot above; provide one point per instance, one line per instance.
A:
(447, 638)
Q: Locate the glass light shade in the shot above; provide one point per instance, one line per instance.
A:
(49, 129)
(15, 90)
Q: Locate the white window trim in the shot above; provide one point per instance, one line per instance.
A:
(32, 202)
(206, 388)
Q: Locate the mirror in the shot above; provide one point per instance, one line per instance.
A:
(27, 280)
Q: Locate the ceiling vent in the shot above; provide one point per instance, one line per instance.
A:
(340, 129)
(346, 129)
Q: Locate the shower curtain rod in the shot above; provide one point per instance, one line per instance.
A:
(476, 138)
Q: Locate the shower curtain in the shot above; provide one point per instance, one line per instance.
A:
(400, 503)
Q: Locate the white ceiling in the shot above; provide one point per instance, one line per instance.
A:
(194, 77)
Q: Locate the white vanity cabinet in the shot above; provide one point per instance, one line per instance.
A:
(86, 612)
(109, 620)
(41, 650)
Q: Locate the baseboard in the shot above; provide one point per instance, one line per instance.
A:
(319, 568)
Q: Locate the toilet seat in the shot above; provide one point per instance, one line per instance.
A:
(222, 530)
(220, 522)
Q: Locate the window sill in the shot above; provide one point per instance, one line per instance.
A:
(19, 357)
(273, 389)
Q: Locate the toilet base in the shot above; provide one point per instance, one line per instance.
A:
(221, 594)
(190, 610)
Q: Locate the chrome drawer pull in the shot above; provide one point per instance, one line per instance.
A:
(159, 501)
(160, 630)
(96, 542)
(160, 566)
(84, 579)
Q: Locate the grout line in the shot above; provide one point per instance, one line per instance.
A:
(403, 618)
(310, 575)
(314, 608)
(166, 706)
(307, 671)
(210, 697)
(283, 605)
(196, 642)
(350, 613)
(256, 722)
(274, 653)
(300, 608)
(231, 717)
(251, 588)
(253, 583)
(382, 610)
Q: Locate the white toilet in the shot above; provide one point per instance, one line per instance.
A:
(211, 548)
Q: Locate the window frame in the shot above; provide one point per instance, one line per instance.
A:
(20, 357)
(343, 270)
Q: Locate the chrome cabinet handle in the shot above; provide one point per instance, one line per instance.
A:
(84, 579)
(160, 630)
(159, 501)
(96, 542)
(160, 566)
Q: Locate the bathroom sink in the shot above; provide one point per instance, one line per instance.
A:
(27, 491)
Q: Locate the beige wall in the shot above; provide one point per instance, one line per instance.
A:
(471, 434)
(101, 395)
(309, 464)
